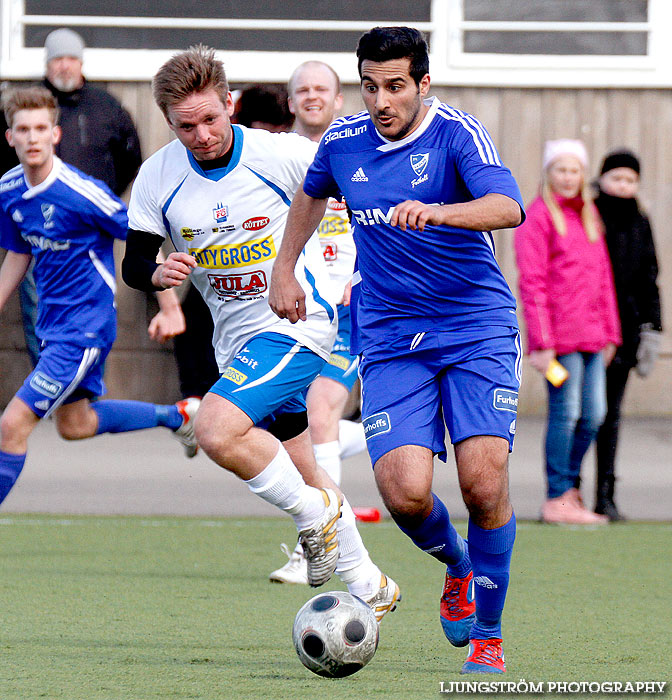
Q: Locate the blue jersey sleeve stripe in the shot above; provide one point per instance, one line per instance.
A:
(89, 190)
(485, 136)
(342, 121)
(16, 170)
(108, 277)
(449, 114)
(278, 190)
(316, 295)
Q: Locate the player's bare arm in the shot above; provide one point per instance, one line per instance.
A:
(488, 213)
(286, 297)
(11, 273)
(169, 321)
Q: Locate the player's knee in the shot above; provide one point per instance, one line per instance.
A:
(484, 496)
(70, 428)
(10, 426)
(14, 429)
(407, 506)
(217, 442)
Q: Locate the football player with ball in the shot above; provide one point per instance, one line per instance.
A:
(434, 321)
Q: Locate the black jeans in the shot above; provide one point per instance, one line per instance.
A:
(607, 437)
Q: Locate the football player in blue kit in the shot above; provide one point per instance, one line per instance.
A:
(221, 193)
(434, 321)
(67, 222)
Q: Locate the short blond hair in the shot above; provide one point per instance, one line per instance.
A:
(194, 70)
(14, 101)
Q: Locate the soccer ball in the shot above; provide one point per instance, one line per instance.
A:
(335, 634)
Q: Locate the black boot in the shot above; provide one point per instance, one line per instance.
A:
(604, 503)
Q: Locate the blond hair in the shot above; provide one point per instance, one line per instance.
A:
(14, 101)
(194, 70)
(588, 215)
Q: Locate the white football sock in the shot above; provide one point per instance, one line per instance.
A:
(281, 484)
(351, 438)
(328, 456)
(354, 567)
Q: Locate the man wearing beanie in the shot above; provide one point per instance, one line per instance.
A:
(98, 134)
(633, 259)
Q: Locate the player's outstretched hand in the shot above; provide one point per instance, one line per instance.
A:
(415, 215)
(286, 298)
(174, 270)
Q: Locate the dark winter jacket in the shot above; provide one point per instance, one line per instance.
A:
(633, 259)
(99, 137)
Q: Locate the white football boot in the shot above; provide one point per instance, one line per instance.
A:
(295, 570)
(185, 433)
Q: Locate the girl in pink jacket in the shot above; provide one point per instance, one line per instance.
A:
(569, 304)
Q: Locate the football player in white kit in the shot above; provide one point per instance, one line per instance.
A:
(315, 98)
(221, 193)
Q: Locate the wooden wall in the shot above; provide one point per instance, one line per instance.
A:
(519, 120)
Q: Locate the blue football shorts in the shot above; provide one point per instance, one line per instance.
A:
(341, 365)
(269, 376)
(65, 373)
(416, 387)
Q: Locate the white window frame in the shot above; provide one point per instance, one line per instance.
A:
(450, 64)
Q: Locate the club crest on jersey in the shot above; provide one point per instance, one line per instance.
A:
(419, 164)
(250, 285)
(505, 400)
(221, 213)
(48, 214)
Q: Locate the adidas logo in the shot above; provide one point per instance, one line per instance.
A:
(42, 405)
(485, 582)
(359, 176)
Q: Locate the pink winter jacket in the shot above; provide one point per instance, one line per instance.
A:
(566, 283)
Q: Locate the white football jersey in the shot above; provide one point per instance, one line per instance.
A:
(232, 221)
(338, 245)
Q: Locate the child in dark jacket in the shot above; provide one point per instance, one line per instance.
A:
(633, 258)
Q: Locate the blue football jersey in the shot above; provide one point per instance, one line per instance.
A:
(68, 223)
(407, 282)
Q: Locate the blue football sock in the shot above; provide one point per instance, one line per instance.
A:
(125, 416)
(10, 468)
(490, 552)
(437, 536)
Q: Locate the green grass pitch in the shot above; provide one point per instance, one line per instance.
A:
(132, 608)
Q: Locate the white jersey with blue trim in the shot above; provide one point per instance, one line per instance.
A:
(68, 223)
(407, 282)
(232, 221)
